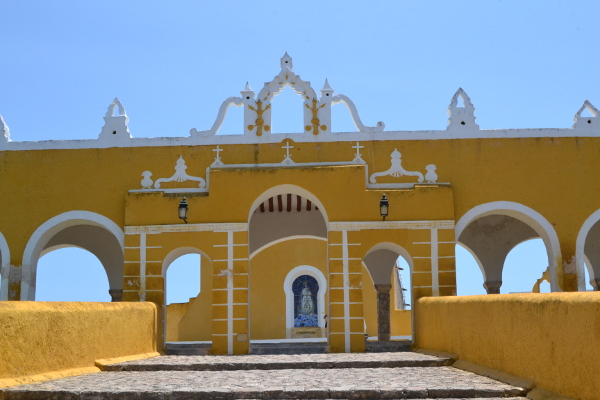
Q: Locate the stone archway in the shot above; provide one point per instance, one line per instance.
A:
(490, 231)
(380, 262)
(90, 231)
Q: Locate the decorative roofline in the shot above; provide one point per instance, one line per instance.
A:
(317, 122)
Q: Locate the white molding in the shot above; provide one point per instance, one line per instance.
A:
(366, 225)
(5, 267)
(47, 230)
(300, 138)
(580, 250)
(528, 216)
(285, 239)
(212, 227)
(289, 294)
(346, 277)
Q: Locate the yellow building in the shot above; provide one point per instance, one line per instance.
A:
(290, 227)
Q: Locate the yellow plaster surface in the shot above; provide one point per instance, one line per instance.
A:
(46, 338)
(268, 270)
(551, 339)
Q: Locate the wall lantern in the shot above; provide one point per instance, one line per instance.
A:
(384, 205)
(183, 210)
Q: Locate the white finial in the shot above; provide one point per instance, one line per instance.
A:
(461, 117)
(586, 122)
(247, 88)
(326, 85)
(4, 131)
(286, 62)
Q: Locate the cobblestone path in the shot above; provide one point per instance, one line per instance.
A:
(234, 377)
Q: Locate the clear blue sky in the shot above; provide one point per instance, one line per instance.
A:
(524, 65)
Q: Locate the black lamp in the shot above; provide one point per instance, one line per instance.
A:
(183, 210)
(384, 205)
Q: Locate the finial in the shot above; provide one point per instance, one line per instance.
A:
(286, 62)
(4, 131)
(247, 88)
(326, 85)
(581, 121)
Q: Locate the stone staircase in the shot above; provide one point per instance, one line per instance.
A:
(395, 375)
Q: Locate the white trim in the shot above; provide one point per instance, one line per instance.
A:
(524, 214)
(47, 230)
(288, 189)
(580, 257)
(211, 227)
(230, 293)
(143, 268)
(301, 340)
(345, 269)
(289, 294)
(4, 267)
(365, 225)
(435, 280)
(299, 138)
(274, 242)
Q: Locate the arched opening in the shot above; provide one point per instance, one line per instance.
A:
(4, 267)
(387, 293)
(305, 287)
(70, 274)
(287, 238)
(588, 254)
(188, 296)
(525, 268)
(287, 112)
(469, 272)
(490, 231)
(82, 229)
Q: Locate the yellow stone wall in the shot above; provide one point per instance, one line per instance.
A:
(50, 337)
(552, 339)
(175, 312)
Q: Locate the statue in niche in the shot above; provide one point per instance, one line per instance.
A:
(305, 290)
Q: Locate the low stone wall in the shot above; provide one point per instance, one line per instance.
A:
(46, 340)
(551, 339)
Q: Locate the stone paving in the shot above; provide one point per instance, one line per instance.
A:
(300, 383)
(292, 361)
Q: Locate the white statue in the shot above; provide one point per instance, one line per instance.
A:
(307, 306)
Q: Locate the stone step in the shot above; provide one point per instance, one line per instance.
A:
(386, 347)
(337, 383)
(188, 348)
(280, 361)
(289, 348)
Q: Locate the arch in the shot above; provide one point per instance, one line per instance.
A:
(471, 252)
(289, 294)
(178, 252)
(526, 215)
(580, 257)
(45, 232)
(393, 247)
(167, 261)
(285, 239)
(387, 247)
(4, 267)
(285, 189)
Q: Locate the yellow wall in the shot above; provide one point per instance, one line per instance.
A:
(552, 339)
(41, 337)
(175, 311)
(268, 270)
